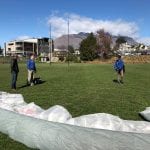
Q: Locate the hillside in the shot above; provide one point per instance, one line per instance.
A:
(75, 40)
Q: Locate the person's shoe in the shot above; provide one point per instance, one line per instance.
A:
(31, 84)
(28, 83)
(121, 82)
(14, 90)
(118, 81)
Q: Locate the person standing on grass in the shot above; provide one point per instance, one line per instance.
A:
(31, 70)
(14, 71)
(120, 69)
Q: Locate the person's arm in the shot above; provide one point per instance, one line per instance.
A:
(17, 66)
(115, 65)
(11, 64)
(34, 67)
(28, 64)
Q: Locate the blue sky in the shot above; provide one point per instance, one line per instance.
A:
(31, 18)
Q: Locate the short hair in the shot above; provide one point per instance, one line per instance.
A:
(119, 56)
(14, 55)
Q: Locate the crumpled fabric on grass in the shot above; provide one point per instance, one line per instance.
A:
(146, 114)
(39, 128)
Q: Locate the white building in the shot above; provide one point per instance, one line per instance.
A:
(126, 47)
(27, 46)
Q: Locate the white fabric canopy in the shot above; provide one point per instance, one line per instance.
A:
(22, 124)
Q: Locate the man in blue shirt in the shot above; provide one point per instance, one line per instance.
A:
(120, 68)
(31, 69)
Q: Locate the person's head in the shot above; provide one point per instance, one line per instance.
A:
(119, 56)
(14, 56)
(32, 57)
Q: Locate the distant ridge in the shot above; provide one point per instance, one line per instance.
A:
(75, 40)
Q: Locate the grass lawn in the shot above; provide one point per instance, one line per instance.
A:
(82, 89)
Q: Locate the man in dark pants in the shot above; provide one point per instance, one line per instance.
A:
(120, 68)
(14, 71)
(31, 70)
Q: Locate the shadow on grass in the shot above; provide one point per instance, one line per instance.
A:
(119, 82)
(27, 85)
(115, 81)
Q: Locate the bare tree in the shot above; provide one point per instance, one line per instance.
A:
(104, 40)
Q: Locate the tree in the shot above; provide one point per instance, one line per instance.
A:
(88, 48)
(104, 40)
(1, 51)
(71, 49)
(119, 41)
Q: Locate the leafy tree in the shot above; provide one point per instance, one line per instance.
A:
(119, 41)
(73, 58)
(71, 49)
(88, 48)
(104, 41)
(1, 51)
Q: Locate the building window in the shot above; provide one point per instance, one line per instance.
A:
(18, 43)
(19, 48)
(10, 43)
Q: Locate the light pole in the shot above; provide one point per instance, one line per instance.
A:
(68, 42)
(50, 44)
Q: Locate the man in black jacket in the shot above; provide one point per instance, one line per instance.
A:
(14, 71)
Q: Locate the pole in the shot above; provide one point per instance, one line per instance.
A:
(37, 45)
(68, 42)
(50, 44)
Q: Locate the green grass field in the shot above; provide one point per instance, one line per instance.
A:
(82, 89)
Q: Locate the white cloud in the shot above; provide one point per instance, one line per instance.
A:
(22, 37)
(78, 24)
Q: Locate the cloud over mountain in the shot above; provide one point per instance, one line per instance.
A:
(59, 24)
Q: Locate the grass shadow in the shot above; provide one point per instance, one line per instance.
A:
(115, 81)
(27, 85)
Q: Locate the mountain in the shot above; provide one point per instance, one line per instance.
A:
(75, 40)
(129, 40)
